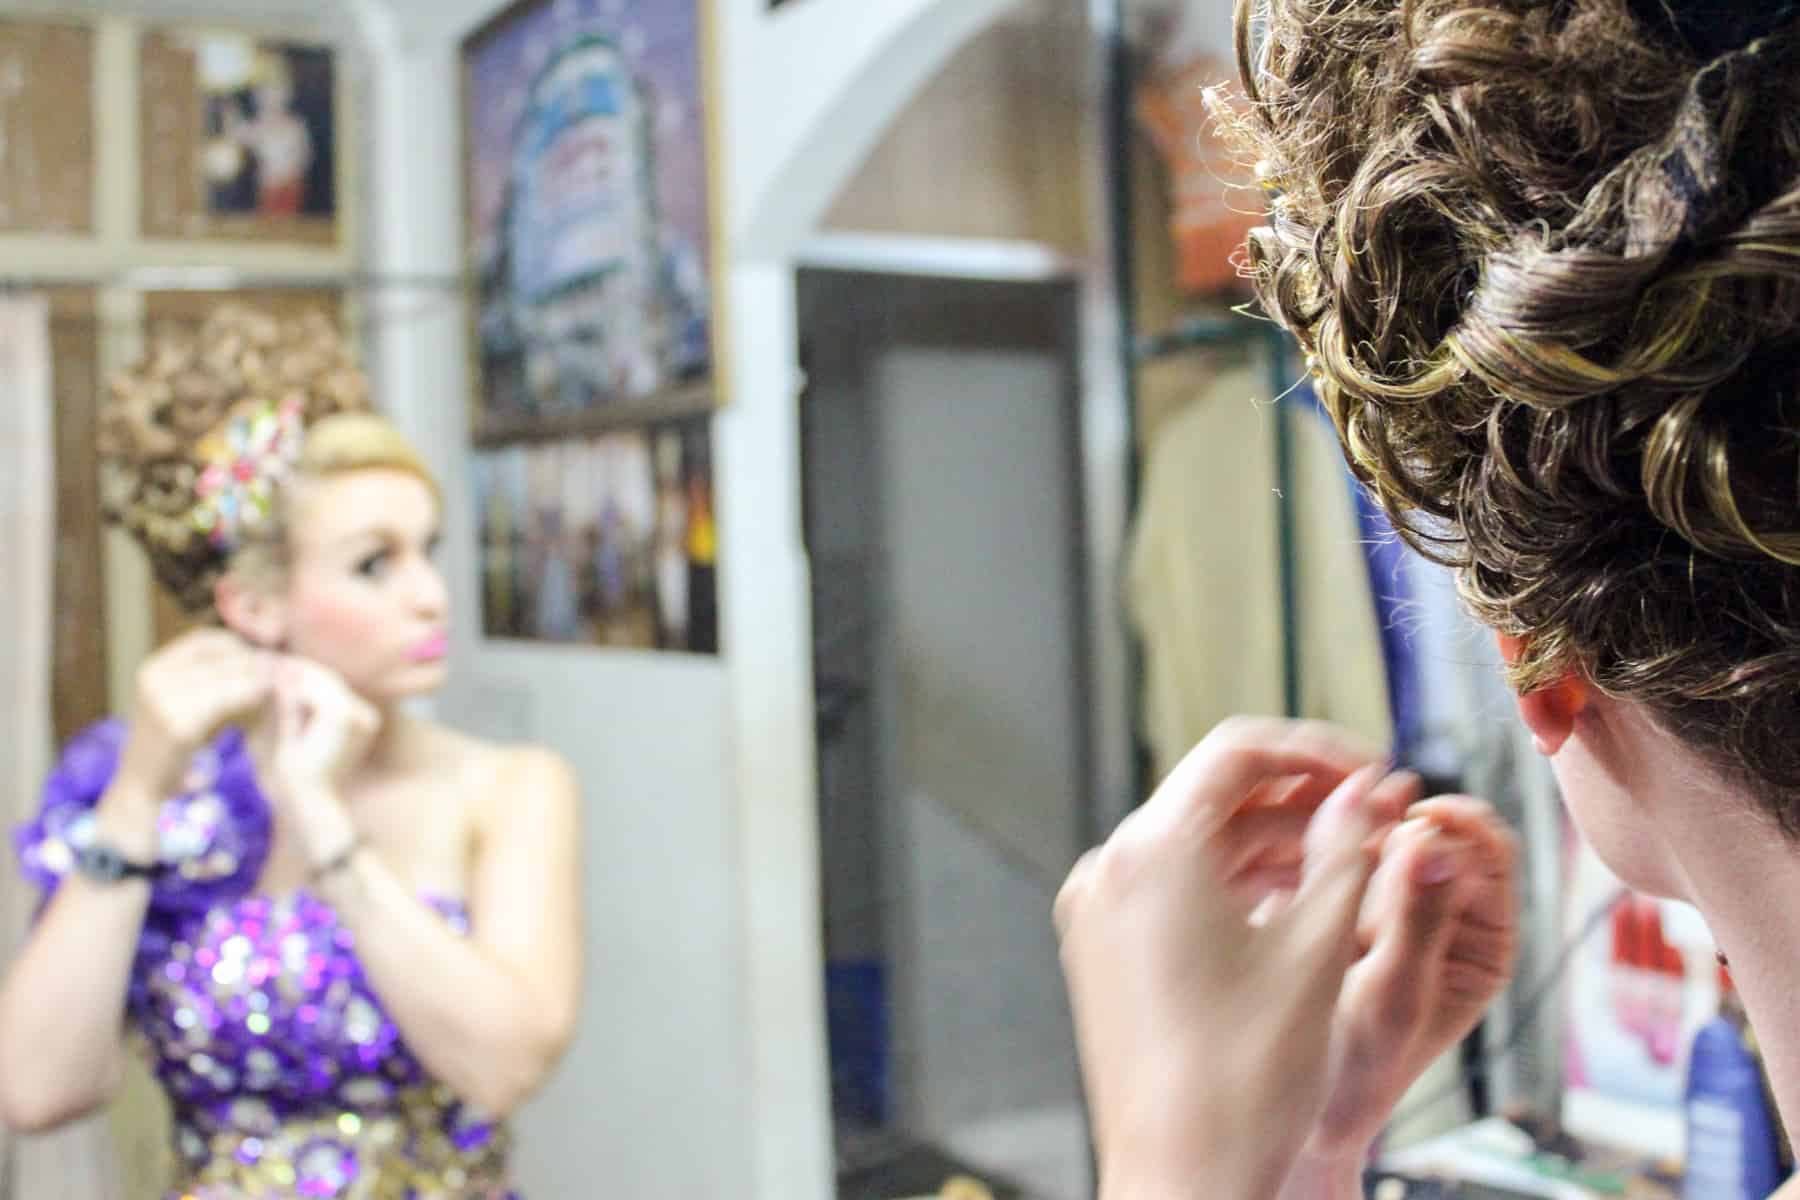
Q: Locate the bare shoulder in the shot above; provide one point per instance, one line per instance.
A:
(536, 799)
(500, 777)
(510, 779)
(528, 767)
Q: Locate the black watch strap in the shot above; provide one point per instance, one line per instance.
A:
(102, 864)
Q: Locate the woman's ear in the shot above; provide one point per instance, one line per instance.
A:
(1549, 711)
(250, 612)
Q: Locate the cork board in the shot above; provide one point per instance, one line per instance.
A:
(161, 309)
(46, 128)
(78, 687)
(238, 138)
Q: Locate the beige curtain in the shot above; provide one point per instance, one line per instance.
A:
(76, 1162)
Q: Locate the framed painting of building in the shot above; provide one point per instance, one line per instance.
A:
(589, 204)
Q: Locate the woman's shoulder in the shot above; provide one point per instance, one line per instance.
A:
(507, 771)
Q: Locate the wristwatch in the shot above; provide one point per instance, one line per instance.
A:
(102, 864)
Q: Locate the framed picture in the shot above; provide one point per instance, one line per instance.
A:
(239, 137)
(589, 240)
(46, 127)
(603, 541)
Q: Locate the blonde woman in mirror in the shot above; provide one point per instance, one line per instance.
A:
(347, 939)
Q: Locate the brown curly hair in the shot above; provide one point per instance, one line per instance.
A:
(1546, 262)
(160, 414)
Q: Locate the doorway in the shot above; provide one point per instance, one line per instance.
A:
(942, 498)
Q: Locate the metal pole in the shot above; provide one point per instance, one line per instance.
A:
(1114, 245)
(1284, 523)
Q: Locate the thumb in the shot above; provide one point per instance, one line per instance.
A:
(1342, 851)
(1414, 916)
(1430, 862)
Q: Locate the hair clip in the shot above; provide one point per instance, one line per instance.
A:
(1710, 28)
(245, 460)
(1696, 168)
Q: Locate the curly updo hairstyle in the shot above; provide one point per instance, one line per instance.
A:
(1545, 258)
(161, 415)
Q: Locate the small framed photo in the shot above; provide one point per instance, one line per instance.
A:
(240, 138)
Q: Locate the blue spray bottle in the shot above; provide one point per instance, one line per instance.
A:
(1731, 1140)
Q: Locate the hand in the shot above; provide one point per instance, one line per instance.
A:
(1439, 934)
(1205, 1038)
(322, 729)
(186, 692)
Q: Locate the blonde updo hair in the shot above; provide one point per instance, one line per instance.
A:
(1546, 258)
(160, 414)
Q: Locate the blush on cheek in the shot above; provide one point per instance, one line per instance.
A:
(334, 625)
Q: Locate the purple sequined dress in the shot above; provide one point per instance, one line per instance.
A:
(286, 1076)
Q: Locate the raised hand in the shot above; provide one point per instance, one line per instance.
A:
(186, 692)
(1438, 937)
(323, 729)
(1206, 1038)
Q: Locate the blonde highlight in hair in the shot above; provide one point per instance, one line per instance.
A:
(162, 413)
(1547, 266)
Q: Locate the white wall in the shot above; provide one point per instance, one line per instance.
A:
(701, 1070)
(946, 528)
(650, 1102)
(977, 465)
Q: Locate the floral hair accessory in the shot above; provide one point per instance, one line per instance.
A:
(246, 457)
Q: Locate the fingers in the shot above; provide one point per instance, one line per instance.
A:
(1342, 851)
(322, 723)
(1234, 818)
(1495, 847)
(206, 652)
(1394, 796)
(1074, 888)
(1244, 754)
(1414, 908)
(1440, 920)
(210, 649)
(1272, 830)
(324, 690)
(196, 695)
(1492, 854)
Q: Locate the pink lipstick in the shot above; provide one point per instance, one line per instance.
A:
(431, 649)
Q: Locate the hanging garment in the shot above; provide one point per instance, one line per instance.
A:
(1204, 575)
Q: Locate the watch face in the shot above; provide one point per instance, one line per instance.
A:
(100, 863)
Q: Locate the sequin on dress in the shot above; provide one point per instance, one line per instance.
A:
(286, 1076)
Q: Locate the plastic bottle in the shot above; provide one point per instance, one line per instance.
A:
(1731, 1141)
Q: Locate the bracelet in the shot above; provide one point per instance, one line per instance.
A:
(336, 862)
